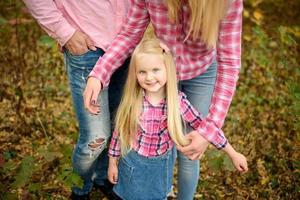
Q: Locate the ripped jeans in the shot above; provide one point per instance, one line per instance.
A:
(90, 159)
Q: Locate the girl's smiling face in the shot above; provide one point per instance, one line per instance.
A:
(151, 74)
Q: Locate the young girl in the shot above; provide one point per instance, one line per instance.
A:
(205, 38)
(148, 123)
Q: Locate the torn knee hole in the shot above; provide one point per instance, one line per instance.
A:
(96, 144)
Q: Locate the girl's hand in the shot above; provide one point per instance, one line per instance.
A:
(239, 161)
(90, 95)
(112, 172)
(196, 148)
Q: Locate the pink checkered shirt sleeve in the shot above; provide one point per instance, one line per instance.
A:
(114, 147)
(130, 35)
(194, 119)
(229, 62)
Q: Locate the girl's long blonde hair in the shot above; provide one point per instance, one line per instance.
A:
(204, 19)
(130, 109)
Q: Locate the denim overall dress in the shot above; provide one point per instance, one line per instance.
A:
(145, 178)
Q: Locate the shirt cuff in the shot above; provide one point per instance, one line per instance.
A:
(212, 134)
(64, 33)
(113, 153)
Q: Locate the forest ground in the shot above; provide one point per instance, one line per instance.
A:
(38, 128)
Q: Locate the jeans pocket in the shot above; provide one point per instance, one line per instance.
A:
(79, 55)
(81, 65)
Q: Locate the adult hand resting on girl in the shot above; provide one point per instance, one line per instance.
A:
(196, 148)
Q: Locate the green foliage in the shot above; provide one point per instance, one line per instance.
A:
(218, 161)
(25, 172)
(285, 37)
(3, 21)
(69, 177)
(47, 41)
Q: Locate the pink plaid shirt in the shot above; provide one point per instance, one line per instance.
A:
(153, 138)
(192, 57)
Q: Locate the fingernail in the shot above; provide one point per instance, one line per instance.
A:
(93, 102)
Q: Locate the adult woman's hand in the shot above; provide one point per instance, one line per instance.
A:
(196, 148)
(90, 95)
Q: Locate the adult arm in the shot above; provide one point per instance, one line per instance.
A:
(130, 35)
(53, 22)
(229, 62)
(194, 119)
(50, 19)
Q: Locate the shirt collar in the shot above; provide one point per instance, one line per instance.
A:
(147, 100)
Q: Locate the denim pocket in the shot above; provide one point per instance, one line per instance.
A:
(82, 65)
(126, 170)
(80, 55)
(148, 177)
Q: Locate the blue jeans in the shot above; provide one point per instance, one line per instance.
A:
(199, 92)
(90, 158)
(142, 178)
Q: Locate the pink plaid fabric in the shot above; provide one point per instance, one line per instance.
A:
(192, 57)
(152, 138)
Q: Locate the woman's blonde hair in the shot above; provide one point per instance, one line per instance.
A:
(204, 19)
(130, 109)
